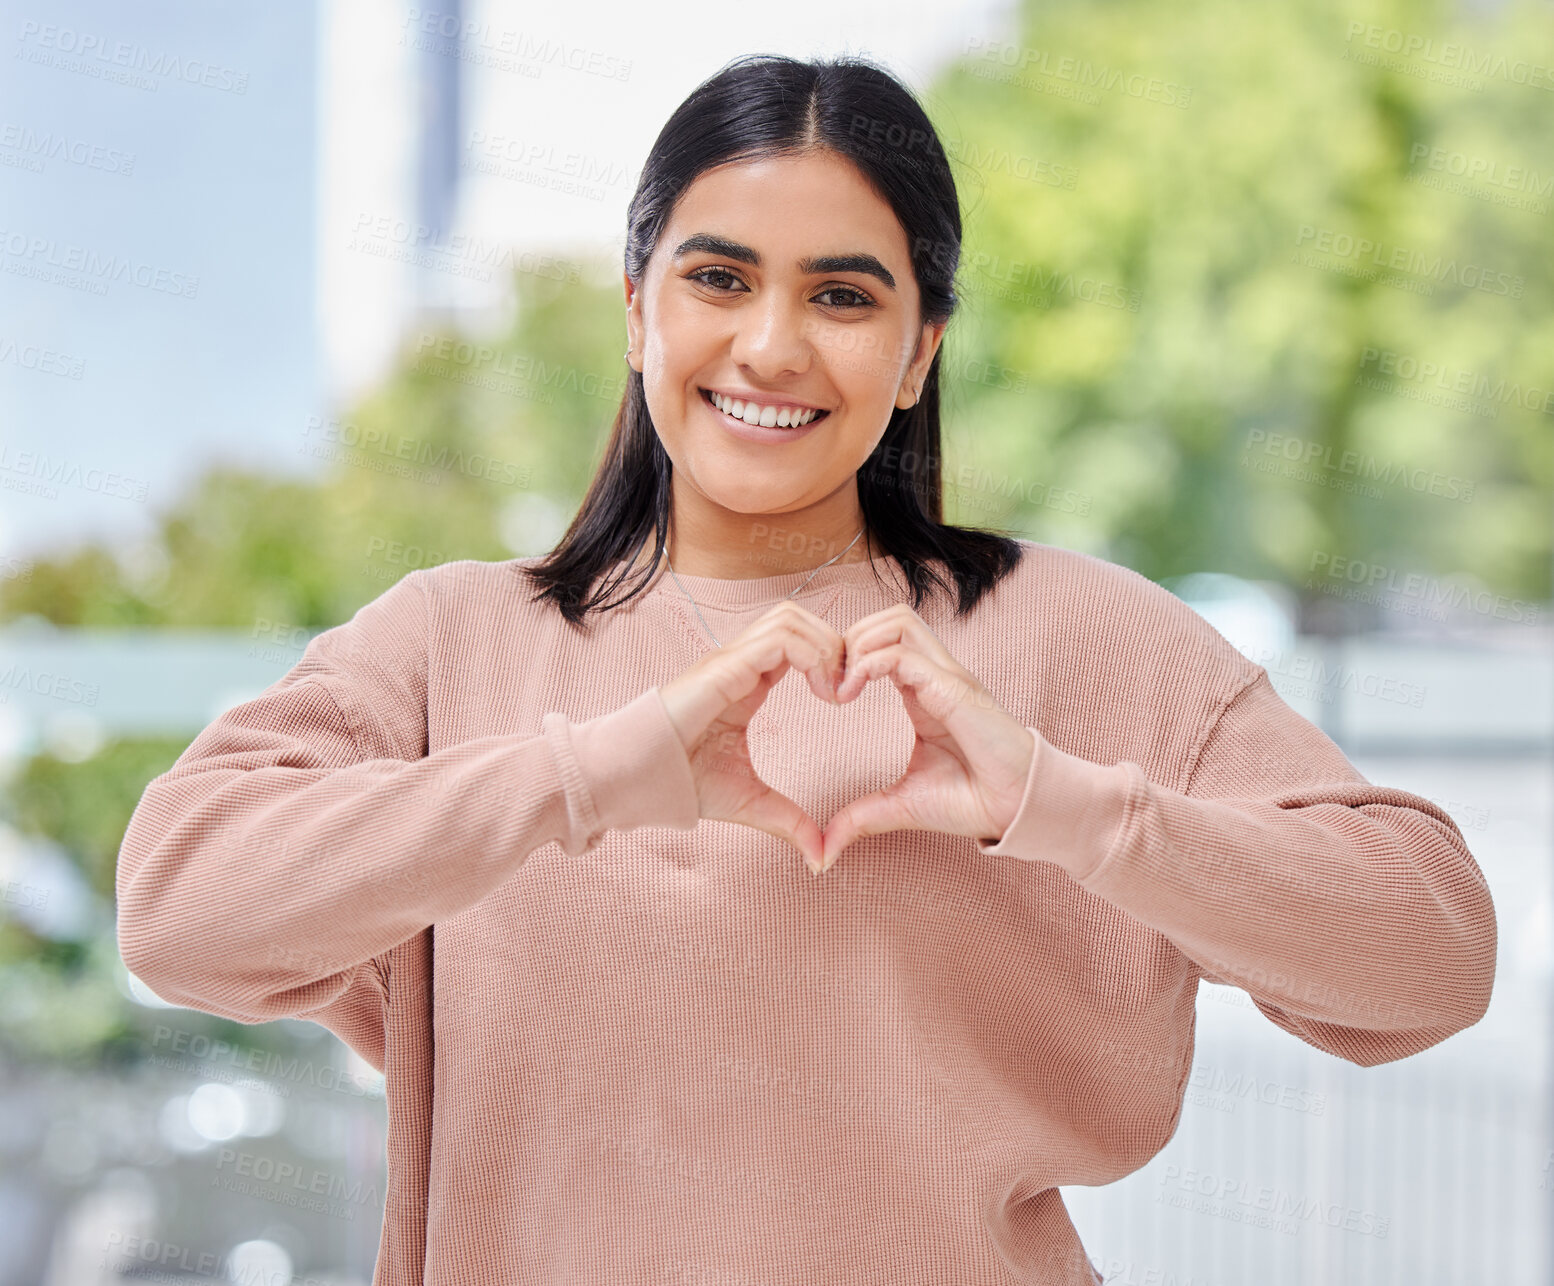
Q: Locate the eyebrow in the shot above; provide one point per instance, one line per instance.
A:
(857, 261)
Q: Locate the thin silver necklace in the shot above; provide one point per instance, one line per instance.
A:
(796, 589)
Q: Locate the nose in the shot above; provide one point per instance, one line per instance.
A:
(772, 339)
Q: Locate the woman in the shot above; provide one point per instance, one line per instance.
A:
(526, 834)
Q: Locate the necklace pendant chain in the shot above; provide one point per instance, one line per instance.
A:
(790, 594)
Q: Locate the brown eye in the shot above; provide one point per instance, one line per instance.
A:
(860, 300)
(714, 275)
(705, 275)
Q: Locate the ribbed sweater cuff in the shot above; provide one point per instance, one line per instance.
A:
(1071, 813)
(629, 768)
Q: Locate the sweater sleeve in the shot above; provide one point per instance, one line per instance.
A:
(1352, 914)
(306, 832)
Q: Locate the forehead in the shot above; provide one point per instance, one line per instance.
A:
(786, 207)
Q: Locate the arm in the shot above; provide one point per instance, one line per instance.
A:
(1352, 914)
(306, 832)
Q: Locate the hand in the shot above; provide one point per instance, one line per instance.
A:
(711, 703)
(970, 759)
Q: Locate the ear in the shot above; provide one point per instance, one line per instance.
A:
(917, 370)
(634, 328)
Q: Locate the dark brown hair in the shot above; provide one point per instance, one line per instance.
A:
(764, 105)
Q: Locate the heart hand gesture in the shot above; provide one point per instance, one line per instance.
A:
(969, 762)
(711, 703)
(971, 757)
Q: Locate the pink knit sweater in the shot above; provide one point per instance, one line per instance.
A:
(622, 1045)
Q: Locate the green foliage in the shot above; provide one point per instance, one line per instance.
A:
(1209, 216)
(86, 806)
(61, 1001)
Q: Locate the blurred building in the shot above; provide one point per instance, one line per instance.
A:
(391, 90)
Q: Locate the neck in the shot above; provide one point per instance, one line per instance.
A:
(736, 546)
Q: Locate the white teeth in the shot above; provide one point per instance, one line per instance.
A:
(765, 416)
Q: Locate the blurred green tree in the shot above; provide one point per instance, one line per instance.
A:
(1192, 228)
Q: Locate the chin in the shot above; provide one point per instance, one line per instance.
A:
(730, 487)
(761, 505)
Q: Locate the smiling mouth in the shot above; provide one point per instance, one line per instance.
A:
(706, 396)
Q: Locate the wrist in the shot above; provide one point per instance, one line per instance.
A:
(1007, 808)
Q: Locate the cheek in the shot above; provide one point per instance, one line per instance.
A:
(679, 345)
(686, 318)
(866, 391)
(864, 363)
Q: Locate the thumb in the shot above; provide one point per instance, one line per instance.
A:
(871, 815)
(776, 814)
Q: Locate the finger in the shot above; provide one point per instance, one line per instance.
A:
(939, 692)
(739, 676)
(741, 711)
(826, 673)
(871, 815)
(897, 624)
(950, 674)
(791, 633)
(788, 635)
(773, 812)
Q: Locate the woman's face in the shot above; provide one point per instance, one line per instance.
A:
(728, 304)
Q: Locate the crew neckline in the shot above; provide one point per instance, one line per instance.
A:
(756, 591)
